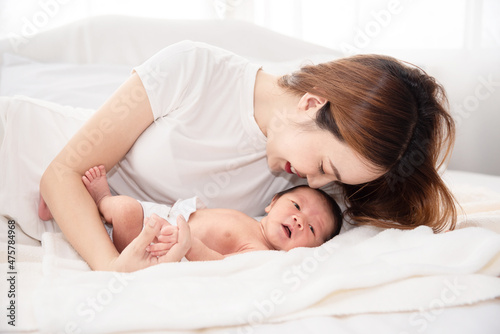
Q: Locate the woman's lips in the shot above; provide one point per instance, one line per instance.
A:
(290, 170)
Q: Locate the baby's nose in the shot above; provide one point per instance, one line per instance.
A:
(299, 222)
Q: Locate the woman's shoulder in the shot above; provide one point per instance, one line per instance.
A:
(193, 58)
(195, 47)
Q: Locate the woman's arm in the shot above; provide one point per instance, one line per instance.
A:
(201, 252)
(104, 139)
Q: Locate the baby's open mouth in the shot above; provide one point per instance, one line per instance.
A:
(288, 232)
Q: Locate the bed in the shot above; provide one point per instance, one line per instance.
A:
(366, 280)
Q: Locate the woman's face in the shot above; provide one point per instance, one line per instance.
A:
(316, 155)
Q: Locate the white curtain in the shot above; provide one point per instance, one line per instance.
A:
(354, 26)
(457, 41)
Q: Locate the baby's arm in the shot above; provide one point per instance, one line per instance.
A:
(201, 252)
(207, 241)
(197, 251)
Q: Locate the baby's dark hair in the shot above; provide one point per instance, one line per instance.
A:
(332, 204)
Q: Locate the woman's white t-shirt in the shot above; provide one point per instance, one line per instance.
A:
(204, 141)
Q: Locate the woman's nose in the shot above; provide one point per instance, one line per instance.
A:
(317, 181)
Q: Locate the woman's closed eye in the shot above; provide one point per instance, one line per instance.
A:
(320, 168)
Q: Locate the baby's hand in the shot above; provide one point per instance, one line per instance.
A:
(165, 240)
(179, 250)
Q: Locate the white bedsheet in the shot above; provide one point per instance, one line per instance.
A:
(35, 131)
(366, 270)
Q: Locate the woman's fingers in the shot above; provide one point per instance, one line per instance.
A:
(166, 238)
(148, 233)
(158, 253)
(174, 242)
(168, 230)
(184, 234)
(168, 234)
(179, 250)
(135, 256)
(159, 247)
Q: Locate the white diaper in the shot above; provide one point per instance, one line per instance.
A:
(184, 207)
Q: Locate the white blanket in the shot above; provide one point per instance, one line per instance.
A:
(361, 271)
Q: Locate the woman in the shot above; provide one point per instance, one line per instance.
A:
(198, 120)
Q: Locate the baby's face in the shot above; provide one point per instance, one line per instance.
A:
(300, 218)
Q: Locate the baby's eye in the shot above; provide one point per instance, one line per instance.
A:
(312, 229)
(296, 205)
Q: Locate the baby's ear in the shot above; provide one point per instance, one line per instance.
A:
(270, 206)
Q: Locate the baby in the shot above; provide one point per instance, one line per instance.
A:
(297, 217)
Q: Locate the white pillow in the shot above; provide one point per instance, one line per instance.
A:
(78, 85)
(35, 132)
(89, 85)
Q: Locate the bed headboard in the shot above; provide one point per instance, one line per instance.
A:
(131, 40)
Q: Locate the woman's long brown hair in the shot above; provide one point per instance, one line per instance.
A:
(395, 116)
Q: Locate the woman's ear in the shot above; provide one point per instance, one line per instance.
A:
(311, 103)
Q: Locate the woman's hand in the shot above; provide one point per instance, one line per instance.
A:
(166, 240)
(183, 245)
(135, 256)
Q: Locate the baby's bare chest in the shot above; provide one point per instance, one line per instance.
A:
(224, 232)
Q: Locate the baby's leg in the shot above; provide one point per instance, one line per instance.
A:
(123, 212)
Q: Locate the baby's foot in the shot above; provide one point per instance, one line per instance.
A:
(96, 183)
(43, 210)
